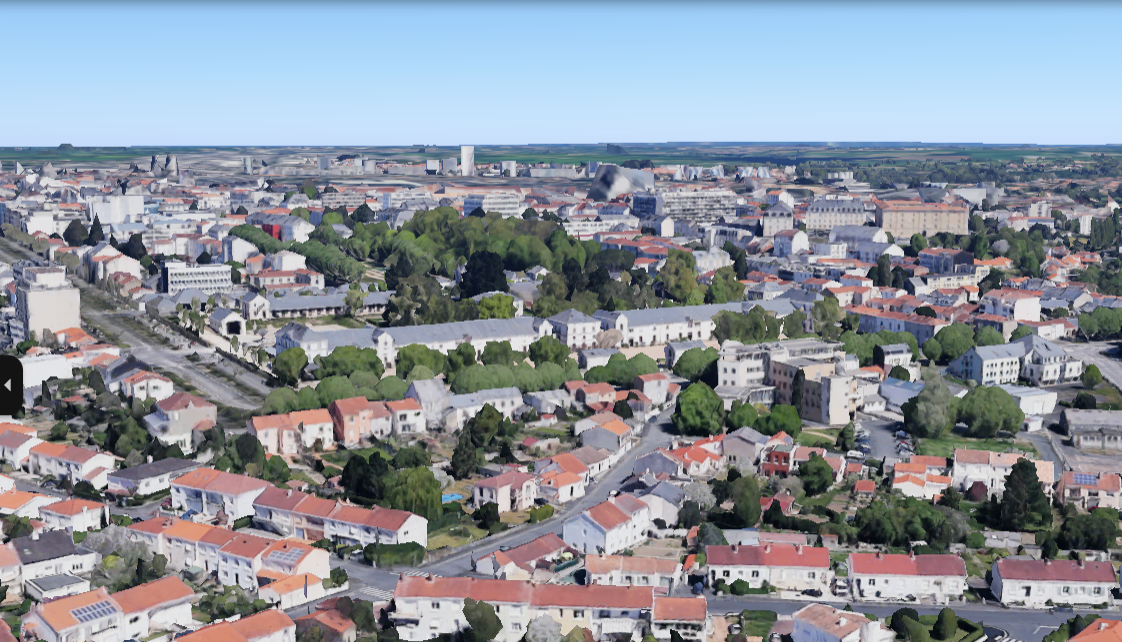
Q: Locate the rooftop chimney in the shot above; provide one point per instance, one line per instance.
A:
(1102, 625)
(735, 548)
(798, 549)
(767, 548)
(430, 577)
(912, 554)
(880, 555)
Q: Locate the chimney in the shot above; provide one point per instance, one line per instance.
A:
(1082, 563)
(1047, 562)
(842, 621)
(767, 548)
(798, 549)
(149, 459)
(880, 555)
(912, 554)
(289, 493)
(735, 549)
(430, 577)
(1102, 625)
(35, 535)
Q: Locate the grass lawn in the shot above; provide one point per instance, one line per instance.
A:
(944, 446)
(757, 623)
(978, 563)
(455, 535)
(818, 438)
(820, 500)
(1108, 396)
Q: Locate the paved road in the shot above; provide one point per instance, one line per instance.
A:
(1093, 352)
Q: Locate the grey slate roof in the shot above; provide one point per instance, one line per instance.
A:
(155, 469)
(55, 582)
(482, 329)
(572, 316)
(49, 546)
(661, 316)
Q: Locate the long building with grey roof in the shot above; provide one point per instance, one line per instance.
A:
(659, 326)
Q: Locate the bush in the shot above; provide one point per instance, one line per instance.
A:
(541, 513)
(740, 587)
(975, 540)
(121, 520)
(244, 522)
(382, 555)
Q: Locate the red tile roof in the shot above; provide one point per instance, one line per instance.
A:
(768, 555)
(904, 564)
(1056, 571)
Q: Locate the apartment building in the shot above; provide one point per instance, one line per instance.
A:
(902, 219)
(293, 513)
(45, 300)
(445, 337)
(512, 491)
(63, 461)
(1036, 583)
(177, 276)
(991, 468)
(505, 203)
(699, 206)
(831, 213)
(1019, 305)
(575, 329)
(429, 607)
(887, 576)
(659, 326)
(1031, 357)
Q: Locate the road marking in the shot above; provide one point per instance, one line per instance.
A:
(382, 595)
(417, 573)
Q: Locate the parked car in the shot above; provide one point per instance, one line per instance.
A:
(855, 454)
(865, 448)
(813, 592)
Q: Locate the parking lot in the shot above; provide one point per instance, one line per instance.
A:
(876, 438)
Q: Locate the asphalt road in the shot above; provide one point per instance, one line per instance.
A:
(1093, 352)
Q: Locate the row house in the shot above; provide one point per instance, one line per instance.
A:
(429, 607)
(609, 527)
(929, 487)
(687, 616)
(1019, 305)
(64, 461)
(1041, 583)
(884, 576)
(575, 329)
(520, 562)
(270, 625)
(630, 570)
(277, 279)
(247, 559)
(613, 436)
(98, 616)
(784, 566)
(75, 515)
(295, 432)
(45, 554)
(209, 491)
(24, 504)
(148, 478)
(16, 442)
(293, 513)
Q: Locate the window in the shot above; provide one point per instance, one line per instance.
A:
(1066, 590)
(516, 626)
(436, 606)
(578, 613)
(755, 573)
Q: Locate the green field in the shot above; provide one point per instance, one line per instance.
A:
(944, 446)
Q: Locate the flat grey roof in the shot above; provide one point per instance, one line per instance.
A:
(155, 469)
(54, 582)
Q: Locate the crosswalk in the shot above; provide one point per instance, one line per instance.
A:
(417, 573)
(377, 594)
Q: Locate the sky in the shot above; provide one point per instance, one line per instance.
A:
(411, 73)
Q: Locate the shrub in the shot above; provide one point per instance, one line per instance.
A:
(975, 540)
(541, 513)
(382, 555)
(740, 587)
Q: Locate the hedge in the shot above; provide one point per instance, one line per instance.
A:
(382, 555)
(541, 513)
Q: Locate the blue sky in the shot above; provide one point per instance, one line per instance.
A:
(304, 73)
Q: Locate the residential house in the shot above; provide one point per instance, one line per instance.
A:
(922, 486)
(560, 487)
(50, 553)
(98, 616)
(824, 623)
(991, 468)
(270, 625)
(609, 527)
(295, 432)
(334, 625)
(629, 570)
(75, 515)
(742, 448)
(24, 504)
(149, 478)
(63, 461)
(1089, 490)
(575, 329)
(16, 443)
(509, 491)
(293, 590)
(362, 526)
(180, 420)
(432, 606)
(357, 418)
(209, 491)
(434, 398)
(521, 562)
(784, 566)
(1019, 305)
(613, 436)
(1036, 583)
(886, 576)
(147, 385)
(655, 386)
(687, 616)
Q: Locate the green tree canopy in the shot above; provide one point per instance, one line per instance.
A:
(987, 410)
(699, 411)
(932, 412)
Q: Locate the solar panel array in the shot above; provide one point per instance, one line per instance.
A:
(94, 611)
(290, 556)
(1085, 479)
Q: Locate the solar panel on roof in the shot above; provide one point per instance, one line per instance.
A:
(94, 611)
(289, 556)
(1085, 479)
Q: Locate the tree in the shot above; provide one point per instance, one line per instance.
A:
(742, 414)
(75, 234)
(679, 275)
(794, 325)
(354, 300)
(483, 273)
(699, 411)
(498, 306)
(955, 340)
(932, 349)
(987, 336)
(543, 629)
(1085, 401)
(918, 243)
(926, 311)
(946, 627)
(1091, 377)
(689, 515)
(817, 475)
(1024, 331)
(901, 373)
(900, 618)
(480, 616)
(465, 458)
(415, 490)
(847, 439)
(203, 259)
(59, 431)
(622, 409)
(725, 287)
(746, 499)
(987, 410)
(934, 410)
(487, 515)
(782, 418)
(548, 350)
(289, 365)
(696, 364)
(951, 498)
(797, 391)
(1024, 502)
(97, 235)
(826, 314)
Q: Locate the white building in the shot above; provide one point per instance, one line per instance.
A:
(784, 566)
(149, 478)
(45, 300)
(208, 491)
(609, 527)
(881, 576)
(177, 276)
(991, 468)
(1036, 583)
(509, 205)
(575, 329)
(75, 515)
(511, 491)
(789, 242)
(98, 616)
(824, 623)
